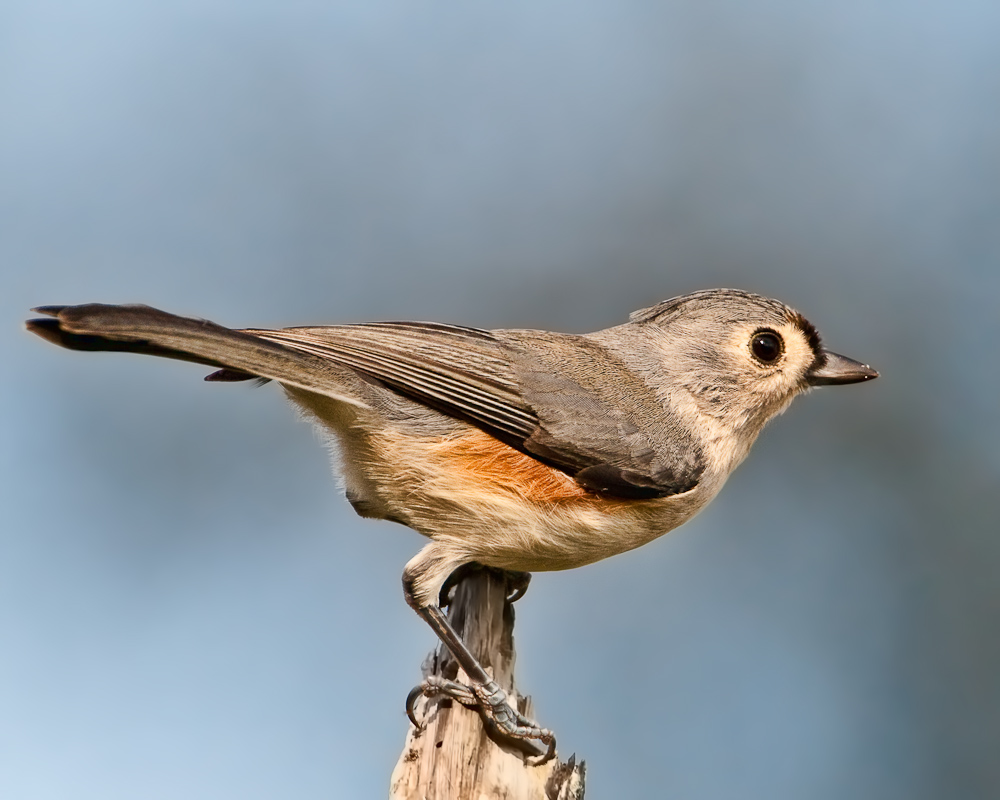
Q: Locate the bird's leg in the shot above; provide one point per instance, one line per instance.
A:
(483, 692)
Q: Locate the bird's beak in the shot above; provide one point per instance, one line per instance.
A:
(835, 369)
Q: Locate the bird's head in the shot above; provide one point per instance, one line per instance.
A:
(740, 356)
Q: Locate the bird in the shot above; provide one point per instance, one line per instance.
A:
(520, 450)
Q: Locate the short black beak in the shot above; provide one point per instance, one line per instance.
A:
(834, 369)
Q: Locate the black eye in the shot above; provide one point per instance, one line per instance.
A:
(766, 346)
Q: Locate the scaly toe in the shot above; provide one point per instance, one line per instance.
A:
(435, 686)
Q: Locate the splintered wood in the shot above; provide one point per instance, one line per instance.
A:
(452, 758)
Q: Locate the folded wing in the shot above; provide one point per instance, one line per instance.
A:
(527, 389)
(556, 398)
(461, 372)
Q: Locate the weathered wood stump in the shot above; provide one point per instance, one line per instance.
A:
(453, 757)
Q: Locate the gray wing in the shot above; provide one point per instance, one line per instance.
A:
(462, 372)
(561, 399)
(599, 421)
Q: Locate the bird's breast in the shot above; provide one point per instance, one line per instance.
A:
(506, 509)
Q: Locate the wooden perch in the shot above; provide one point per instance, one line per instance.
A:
(452, 758)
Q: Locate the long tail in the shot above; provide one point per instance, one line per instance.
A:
(238, 355)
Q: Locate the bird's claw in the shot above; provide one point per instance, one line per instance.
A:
(436, 686)
(491, 701)
(510, 721)
(517, 583)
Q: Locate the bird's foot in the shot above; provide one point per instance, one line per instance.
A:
(517, 583)
(491, 701)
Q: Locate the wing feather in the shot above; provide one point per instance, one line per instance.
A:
(559, 398)
(460, 371)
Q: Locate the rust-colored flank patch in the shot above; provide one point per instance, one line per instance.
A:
(490, 462)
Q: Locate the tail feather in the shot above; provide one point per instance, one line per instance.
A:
(149, 331)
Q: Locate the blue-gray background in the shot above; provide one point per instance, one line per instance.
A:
(189, 609)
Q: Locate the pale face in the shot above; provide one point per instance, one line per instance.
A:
(742, 357)
(771, 360)
(731, 360)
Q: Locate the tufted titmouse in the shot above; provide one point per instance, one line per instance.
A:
(517, 449)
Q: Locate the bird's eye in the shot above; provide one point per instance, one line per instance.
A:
(766, 346)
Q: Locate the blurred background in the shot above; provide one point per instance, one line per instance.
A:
(188, 607)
